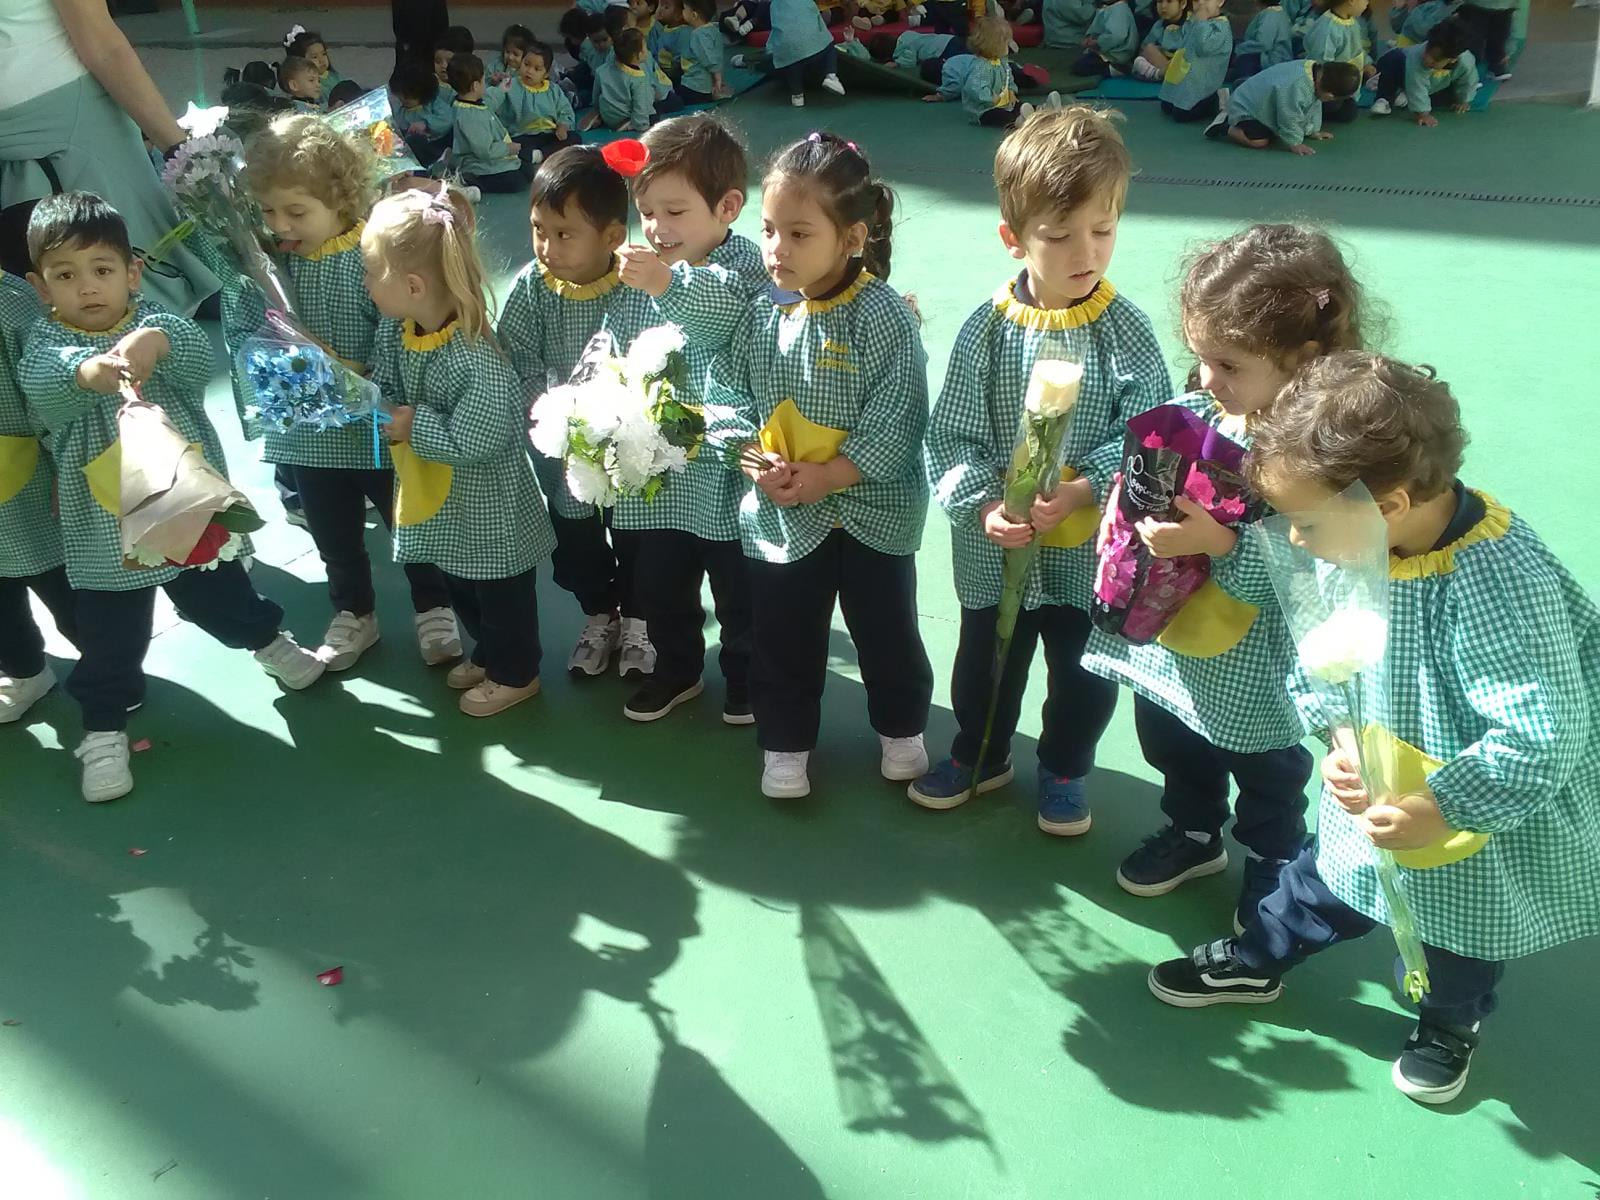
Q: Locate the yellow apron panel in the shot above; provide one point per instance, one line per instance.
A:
(789, 433)
(1210, 623)
(1079, 526)
(1177, 67)
(1411, 770)
(19, 458)
(104, 475)
(424, 486)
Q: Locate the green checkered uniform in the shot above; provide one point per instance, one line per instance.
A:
(853, 363)
(30, 538)
(524, 110)
(1238, 700)
(975, 422)
(706, 302)
(1493, 669)
(80, 425)
(468, 415)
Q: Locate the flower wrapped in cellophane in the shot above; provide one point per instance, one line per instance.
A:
(1169, 451)
(367, 121)
(1330, 570)
(292, 382)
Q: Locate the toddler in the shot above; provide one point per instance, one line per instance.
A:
(1110, 43)
(482, 150)
(1411, 76)
(1268, 41)
(300, 42)
(1192, 88)
(1163, 43)
(1335, 37)
(801, 47)
(1284, 105)
(536, 111)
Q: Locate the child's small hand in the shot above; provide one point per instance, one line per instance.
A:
(1001, 529)
(933, 98)
(1343, 780)
(1302, 149)
(416, 129)
(1409, 823)
(812, 482)
(398, 428)
(1197, 533)
(777, 481)
(143, 349)
(1460, 108)
(1321, 135)
(1045, 515)
(102, 373)
(644, 271)
(1427, 120)
(561, 132)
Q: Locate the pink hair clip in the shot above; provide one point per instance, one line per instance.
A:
(1320, 295)
(814, 137)
(438, 212)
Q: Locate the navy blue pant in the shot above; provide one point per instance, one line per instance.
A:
(932, 69)
(1270, 815)
(21, 643)
(1391, 75)
(502, 618)
(546, 143)
(819, 65)
(1491, 30)
(598, 571)
(1077, 707)
(671, 566)
(1203, 110)
(1303, 917)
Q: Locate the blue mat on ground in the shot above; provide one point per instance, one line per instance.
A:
(1122, 87)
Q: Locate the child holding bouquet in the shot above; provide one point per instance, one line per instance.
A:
(1210, 698)
(97, 334)
(1062, 176)
(1493, 665)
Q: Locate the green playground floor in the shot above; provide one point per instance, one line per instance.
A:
(584, 959)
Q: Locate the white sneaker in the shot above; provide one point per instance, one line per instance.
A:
(1025, 17)
(798, 101)
(737, 61)
(347, 639)
(472, 194)
(636, 657)
(913, 19)
(745, 30)
(596, 644)
(1024, 110)
(831, 83)
(1053, 100)
(1381, 108)
(17, 696)
(904, 759)
(1400, 101)
(783, 775)
(535, 157)
(105, 766)
(438, 636)
(290, 663)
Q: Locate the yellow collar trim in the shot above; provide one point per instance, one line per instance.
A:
(812, 308)
(348, 240)
(627, 70)
(542, 88)
(1494, 523)
(127, 319)
(1083, 313)
(423, 342)
(993, 62)
(581, 291)
(1338, 20)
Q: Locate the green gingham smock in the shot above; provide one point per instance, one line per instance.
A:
(1494, 669)
(853, 363)
(707, 302)
(975, 423)
(30, 538)
(524, 110)
(80, 426)
(1238, 700)
(468, 415)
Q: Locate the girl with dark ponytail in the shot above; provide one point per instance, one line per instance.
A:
(826, 381)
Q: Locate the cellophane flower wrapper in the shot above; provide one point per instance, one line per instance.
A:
(1332, 582)
(1169, 451)
(368, 122)
(293, 383)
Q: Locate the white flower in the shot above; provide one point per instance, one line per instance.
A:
(651, 349)
(604, 402)
(588, 482)
(669, 458)
(551, 414)
(633, 454)
(1053, 387)
(202, 122)
(1349, 642)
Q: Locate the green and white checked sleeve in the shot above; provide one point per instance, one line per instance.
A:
(965, 470)
(887, 438)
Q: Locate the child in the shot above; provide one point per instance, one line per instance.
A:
(1490, 22)
(561, 299)
(1157, 52)
(1268, 41)
(468, 501)
(97, 333)
(702, 55)
(801, 46)
(482, 150)
(1110, 43)
(453, 41)
(303, 43)
(1420, 19)
(536, 111)
(985, 88)
(830, 381)
(1066, 22)
(624, 95)
(701, 277)
(1285, 104)
(314, 191)
(1414, 75)
(1192, 88)
(918, 52)
(31, 558)
(300, 82)
(1336, 37)
(1062, 176)
(1301, 14)
(424, 111)
(1493, 667)
(504, 67)
(1209, 695)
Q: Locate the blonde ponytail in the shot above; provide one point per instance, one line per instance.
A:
(435, 235)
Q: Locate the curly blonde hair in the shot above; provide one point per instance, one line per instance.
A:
(303, 151)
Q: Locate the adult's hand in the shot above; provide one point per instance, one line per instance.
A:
(104, 51)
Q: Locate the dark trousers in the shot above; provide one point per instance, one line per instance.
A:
(502, 617)
(688, 95)
(1250, 127)
(1303, 917)
(598, 571)
(670, 566)
(427, 150)
(502, 181)
(334, 500)
(792, 604)
(1001, 118)
(1270, 815)
(546, 143)
(1077, 707)
(1203, 110)
(114, 634)
(1245, 65)
(949, 16)
(666, 106)
(1491, 29)
(1340, 112)
(1391, 75)
(823, 63)
(1091, 66)
(21, 643)
(932, 70)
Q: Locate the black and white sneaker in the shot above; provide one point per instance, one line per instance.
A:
(656, 698)
(1432, 1069)
(1167, 859)
(736, 707)
(1212, 974)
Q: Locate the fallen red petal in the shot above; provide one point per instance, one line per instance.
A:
(331, 977)
(140, 746)
(137, 852)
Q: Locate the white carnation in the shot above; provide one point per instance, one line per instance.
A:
(551, 414)
(632, 454)
(1349, 642)
(202, 122)
(588, 482)
(603, 403)
(651, 349)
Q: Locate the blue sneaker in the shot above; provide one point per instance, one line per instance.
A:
(949, 784)
(1063, 808)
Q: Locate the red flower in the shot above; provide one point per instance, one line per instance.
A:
(626, 156)
(205, 550)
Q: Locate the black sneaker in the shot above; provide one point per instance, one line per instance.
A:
(1260, 881)
(736, 708)
(1211, 975)
(656, 698)
(1167, 859)
(1432, 1069)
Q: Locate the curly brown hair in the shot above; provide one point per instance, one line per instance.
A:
(1354, 416)
(303, 151)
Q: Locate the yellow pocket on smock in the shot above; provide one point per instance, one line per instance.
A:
(789, 433)
(19, 458)
(424, 485)
(1210, 623)
(104, 475)
(1177, 67)
(1079, 526)
(1411, 770)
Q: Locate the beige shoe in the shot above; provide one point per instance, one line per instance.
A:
(489, 698)
(465, 674)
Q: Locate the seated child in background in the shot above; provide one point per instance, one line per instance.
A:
(663, 95)
(1413, 75)
(594, 52)
(1110, 43)
(1301, 14)
(424, 113)
(1418, 20)
(850, 46)
(746, 18)
(801, 46)
(1162, 42)
(701, 81)
(455, 40)
(299, 80)
(924, 53)
(573, 30)
(516, 41)
(1336, 37)
(1191, 88)
(982, 81)
(1268, 41)
(1066, 22)
(482, 150)
(306, 44)
(535, 111)
(1285, 104)
(623, 95)
(837, 12)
